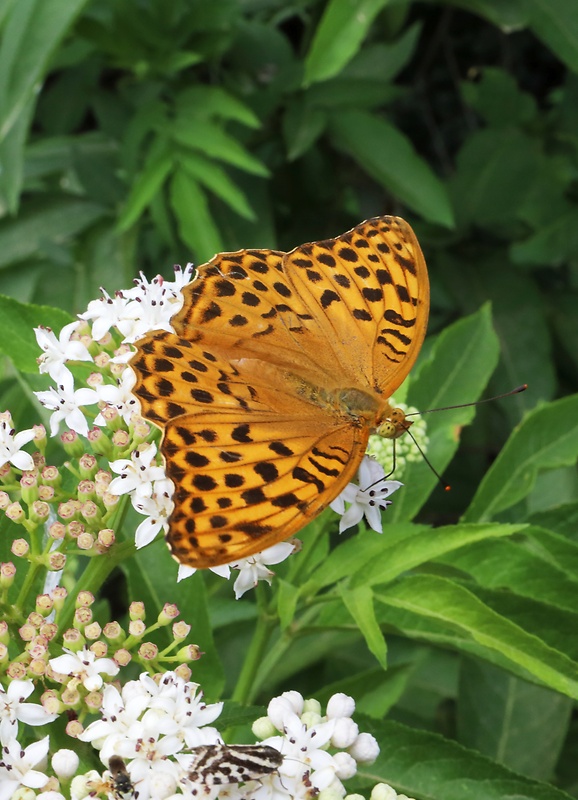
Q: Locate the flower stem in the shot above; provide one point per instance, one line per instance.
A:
(245, 688)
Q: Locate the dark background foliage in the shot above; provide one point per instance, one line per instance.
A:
(139, 133)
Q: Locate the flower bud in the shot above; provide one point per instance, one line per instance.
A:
(20, 548)
(148, 651)
(72, 444)
(7, 574)
(65, 763)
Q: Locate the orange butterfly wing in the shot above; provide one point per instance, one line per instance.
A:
(280, 369)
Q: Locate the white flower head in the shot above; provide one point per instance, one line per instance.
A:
(149, 722)
(11, 444)
(66, 402)
(13, 709)
(108, 312)
(254, 568)
(18, 766)
(157, 508)
(368, 499)
(85, 667)
(119, 396)
(137, 474)
(56, 352)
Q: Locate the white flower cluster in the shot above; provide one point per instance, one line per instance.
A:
(21, 766)
(155, 727)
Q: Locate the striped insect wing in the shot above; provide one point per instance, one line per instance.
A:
(219, 764)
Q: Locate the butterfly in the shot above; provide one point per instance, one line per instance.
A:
(281, 367)
(218, 764)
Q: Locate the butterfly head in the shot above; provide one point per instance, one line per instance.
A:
(394, 424)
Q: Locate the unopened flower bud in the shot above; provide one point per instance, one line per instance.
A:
(16, 671)
(140, 429)
(85, 541)
(86, 491)
(39, 511)
(92, 632)
(72, 444)
(7, 574)
(46, 493)
(74, 728)
(148, 651)
(39, 436)
(106, 538)
(44, 604)
(59, 595)
(94, 380)
(4, 500)
(50, 476)
(364, 749)
(93, 700)
(169, 612)
(29, 487)
(56, 561)
(181, 630)
(20, 548)
(112, 418)
(263, 728)
(121, 439)
(137, 628)
(122, 657)
(84, 598)
(65, 763)
(191, 652)
(35, 619)
(136, 610)
(100, 443)
(36, 668)
(57, 531)
(51, 702)
(49, 629)
(184, 672)
(113, 632)
(73, 640)
(91, 512)
(15, 512)
(82, 617)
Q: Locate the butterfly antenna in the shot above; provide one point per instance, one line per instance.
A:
(517, 390)
(446, 486)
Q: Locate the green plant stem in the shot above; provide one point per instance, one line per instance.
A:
(275, 654)
(245, 689)
(93, 577)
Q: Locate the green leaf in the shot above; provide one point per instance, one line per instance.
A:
(524, 566)
(547, 438)
(148, 183)
(498, 99)
(444, 601)
(425, 765)
(382, 62)
(32, 29)
(555, 22)
(491, 181)
(54, 222)
(215, 179)
(196, 224)
(303, 124)
(406, 547)
(342, 29)
(17, 339)
(359, 603)
(510, 720)
(457, 371)
(210, 139)
(389, 158)
(209, 101)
